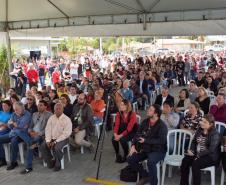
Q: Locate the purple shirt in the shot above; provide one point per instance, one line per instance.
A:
(219, 113)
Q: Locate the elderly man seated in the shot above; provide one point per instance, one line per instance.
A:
(18, 123)
(57, 132)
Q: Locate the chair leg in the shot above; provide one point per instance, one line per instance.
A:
(163, 172)
(82, 149)
(158, 173)
(7, 151)
(98, 131)
(44, 164)
(21, 151)
(190, 176)
(138, 177)
(213, 176)
(170, 171)
(222, 176)
(62, 163)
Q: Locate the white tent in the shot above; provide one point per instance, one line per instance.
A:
(112, 17)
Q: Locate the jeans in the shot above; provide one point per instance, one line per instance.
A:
(193, 74)
(42, 80)
(29, 159)
(152, 159)
(196, 165)
(97, 120)
(4, 138)
(20, 136)
(187, 76)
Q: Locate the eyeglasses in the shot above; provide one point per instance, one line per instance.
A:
(30, 99)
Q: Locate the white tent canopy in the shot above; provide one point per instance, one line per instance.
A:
(112, 17)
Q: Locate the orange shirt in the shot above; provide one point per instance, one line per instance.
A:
(97, 106)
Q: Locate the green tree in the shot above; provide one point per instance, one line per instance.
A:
(4, 75)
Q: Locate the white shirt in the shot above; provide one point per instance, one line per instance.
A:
(58, 128)
(72, 98)
(141, 89)
(163, 100)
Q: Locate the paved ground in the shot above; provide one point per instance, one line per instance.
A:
(82, 166)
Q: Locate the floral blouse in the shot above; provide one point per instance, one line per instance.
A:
(191, 123)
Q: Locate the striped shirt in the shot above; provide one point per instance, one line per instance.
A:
(201, 143)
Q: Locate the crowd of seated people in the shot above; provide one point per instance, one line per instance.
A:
(66, 111)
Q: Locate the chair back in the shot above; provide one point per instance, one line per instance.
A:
(180, 139)
(210, 93)
(138, 119)
(220, 126)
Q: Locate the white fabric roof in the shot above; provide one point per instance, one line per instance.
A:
(51, 17)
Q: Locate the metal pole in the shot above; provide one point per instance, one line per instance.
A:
(101, 46)
(8, 43)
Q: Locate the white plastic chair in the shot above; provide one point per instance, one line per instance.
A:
(138, 119)
(67, 147)
(176, 157)
(7, 150)
(113, 118)
(210, 93)
(146, 104)
(212, 97)
(210, 169)
(135, 107)
(174, 82)
(219, 125)
(97, 126)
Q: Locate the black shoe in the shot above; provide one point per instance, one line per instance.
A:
(118, 158)
(26, 170)
(51, 164)
(143, 181)
(3, 162)
(122, 160)
(57, 168)
(12, 166)
(91, 148)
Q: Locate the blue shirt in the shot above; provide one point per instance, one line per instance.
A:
(23, 121)
(127, 94)
(5, 116)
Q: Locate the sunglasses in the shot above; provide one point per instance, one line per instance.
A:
(30, 99)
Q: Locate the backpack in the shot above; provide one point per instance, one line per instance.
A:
(128, 174)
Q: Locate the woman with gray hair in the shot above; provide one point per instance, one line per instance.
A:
(126, 92)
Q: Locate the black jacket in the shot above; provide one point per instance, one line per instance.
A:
(144, 86)
(213, 144)
(158, 100)
(86, 116)
(155, 136)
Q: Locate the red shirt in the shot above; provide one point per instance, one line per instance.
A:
(32, 76)
(56, 77)
(131, 123)
(97, 106)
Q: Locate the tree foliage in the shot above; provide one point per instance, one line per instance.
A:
(4, 68)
